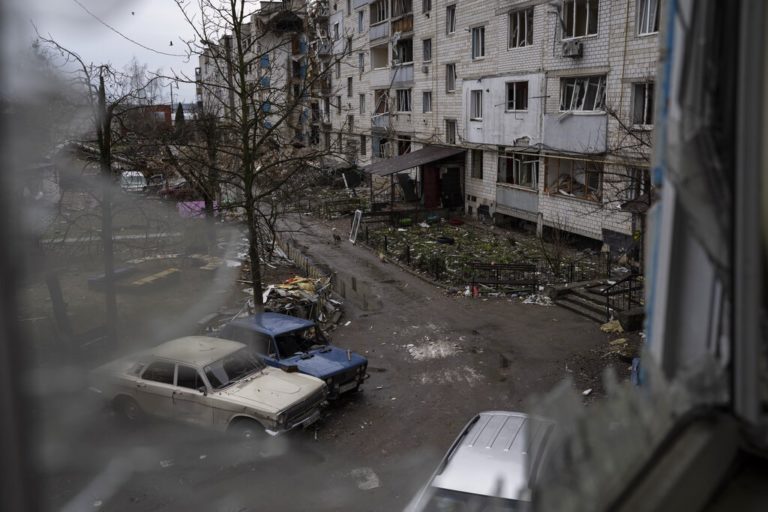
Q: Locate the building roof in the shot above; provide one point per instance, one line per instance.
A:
(496, 455)
(273, 324)
(196, 350)
(425, 155)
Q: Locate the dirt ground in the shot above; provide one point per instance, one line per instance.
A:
(435, 360)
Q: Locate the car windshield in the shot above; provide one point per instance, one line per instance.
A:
(235, 366)
(446, 500)
(299, 341)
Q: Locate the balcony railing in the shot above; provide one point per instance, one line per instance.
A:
(380, 120)
(402, 74)
(378, 31)
(403, 24)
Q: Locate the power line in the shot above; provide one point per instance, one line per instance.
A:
(113, 29)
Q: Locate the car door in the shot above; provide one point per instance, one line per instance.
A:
(155, 387)
(190, 404)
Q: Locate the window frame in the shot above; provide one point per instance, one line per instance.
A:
(426, 48)
(477, 46)
(350, 86)
(587, 33)
(519, 161)
(476, 105)
(360, 21)
(426, 6)
(426, 100)
(639, 21)
(517, 14)
(338, 105)
(363, 145)
(336, 31)
(448, 67)
(361, 102)
(553, 190)
(202, 382)
(475, 170)
(402, 43)
(404, 97)
(450, 135)
(450, 19)
(159, 362)
(381, 10)
(648, 97)
(582, 81)
(515, 102)
(361, 62)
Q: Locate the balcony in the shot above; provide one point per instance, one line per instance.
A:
(378, 31)
(402, 75)
(379, 78)
(380, 120)
(517, 202)
(324, 48)
(581, 132)
(404, 24)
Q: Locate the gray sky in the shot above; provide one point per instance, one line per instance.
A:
(154, 23)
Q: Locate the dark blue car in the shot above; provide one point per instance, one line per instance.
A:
(288, 342)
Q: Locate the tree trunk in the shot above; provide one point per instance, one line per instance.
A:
(253, 252)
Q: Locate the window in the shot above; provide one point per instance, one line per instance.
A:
(380, 147)
(476, 105)
(521, 28)
(518, 169)
(350, 122)
(349, 7)
(403, 144)
(361, 62)
(379, 11)
(638, 183)
(647, 16)
(335, 31)
(450, 19)
(517, 95)
(379, 57)
(339, 141)
(360, 21)
(582, 93)
(349, 87)
(478, 42)
(574, 178)
(401, 7)
(159, 372)
(363, 144)
(579, 18)
(477, 163)
(426, 101)
(427, 46)
(450, 77)
(188, 377)
(402, 52)
(362, 103)
(642, 104)
(426, 5)
(450, 131)
(338, 105)
(338, 69)
(381, 101)
(403, 100)
(328, 141)
(349, 45)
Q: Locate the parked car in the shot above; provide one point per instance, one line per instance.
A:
(490, 466)
(155, 184)
(213, 383)
(179, 191)
(285, 341)
(132, 181)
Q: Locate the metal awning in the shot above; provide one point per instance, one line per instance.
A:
(422, 156)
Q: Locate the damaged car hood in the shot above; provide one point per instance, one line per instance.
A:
(271, 389)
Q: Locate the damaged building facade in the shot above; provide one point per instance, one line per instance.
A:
(550, 103)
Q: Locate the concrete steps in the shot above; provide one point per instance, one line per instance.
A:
(585, 304)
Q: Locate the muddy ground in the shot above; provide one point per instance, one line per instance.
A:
(435, 360)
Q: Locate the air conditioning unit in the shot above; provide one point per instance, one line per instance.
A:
(573, 49)
(425, 68)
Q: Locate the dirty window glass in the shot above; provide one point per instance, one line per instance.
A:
(159, 372)
(225, 371)
(188, 377)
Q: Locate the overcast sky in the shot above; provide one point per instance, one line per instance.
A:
(153, 23)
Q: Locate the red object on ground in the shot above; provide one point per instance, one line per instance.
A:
(455, 222)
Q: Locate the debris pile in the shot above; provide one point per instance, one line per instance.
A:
(305, 298)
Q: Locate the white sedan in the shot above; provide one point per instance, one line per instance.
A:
(213, 383)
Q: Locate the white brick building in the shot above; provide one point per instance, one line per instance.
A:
(524, 86)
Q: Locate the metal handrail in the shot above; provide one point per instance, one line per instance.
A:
(626, 286)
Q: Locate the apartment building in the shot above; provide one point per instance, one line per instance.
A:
(545, 107)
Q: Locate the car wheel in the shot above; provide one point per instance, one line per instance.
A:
(129, 410)
(247, 430)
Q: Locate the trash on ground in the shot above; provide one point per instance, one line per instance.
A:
(612, 327)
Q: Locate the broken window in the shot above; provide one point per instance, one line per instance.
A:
(450, 131)
(450, 77)
(426, 101)
(403, 100)
(401, 7)
(647, 16)
(476, 105)
(379, 11)
(638, 183)
(380, 147)
(517, 95)
(381, 100)
(521, 28)
(379, 58)
(574, 178)
(579, 18)
(402, 52)
(478, 42)
(519, 169)
(427, 54)
(362, 103)
(582, 93)
(642, 104)
(477, 163)
(450, 19)
(403, 144)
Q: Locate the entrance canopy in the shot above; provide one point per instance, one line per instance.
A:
(425, 155)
